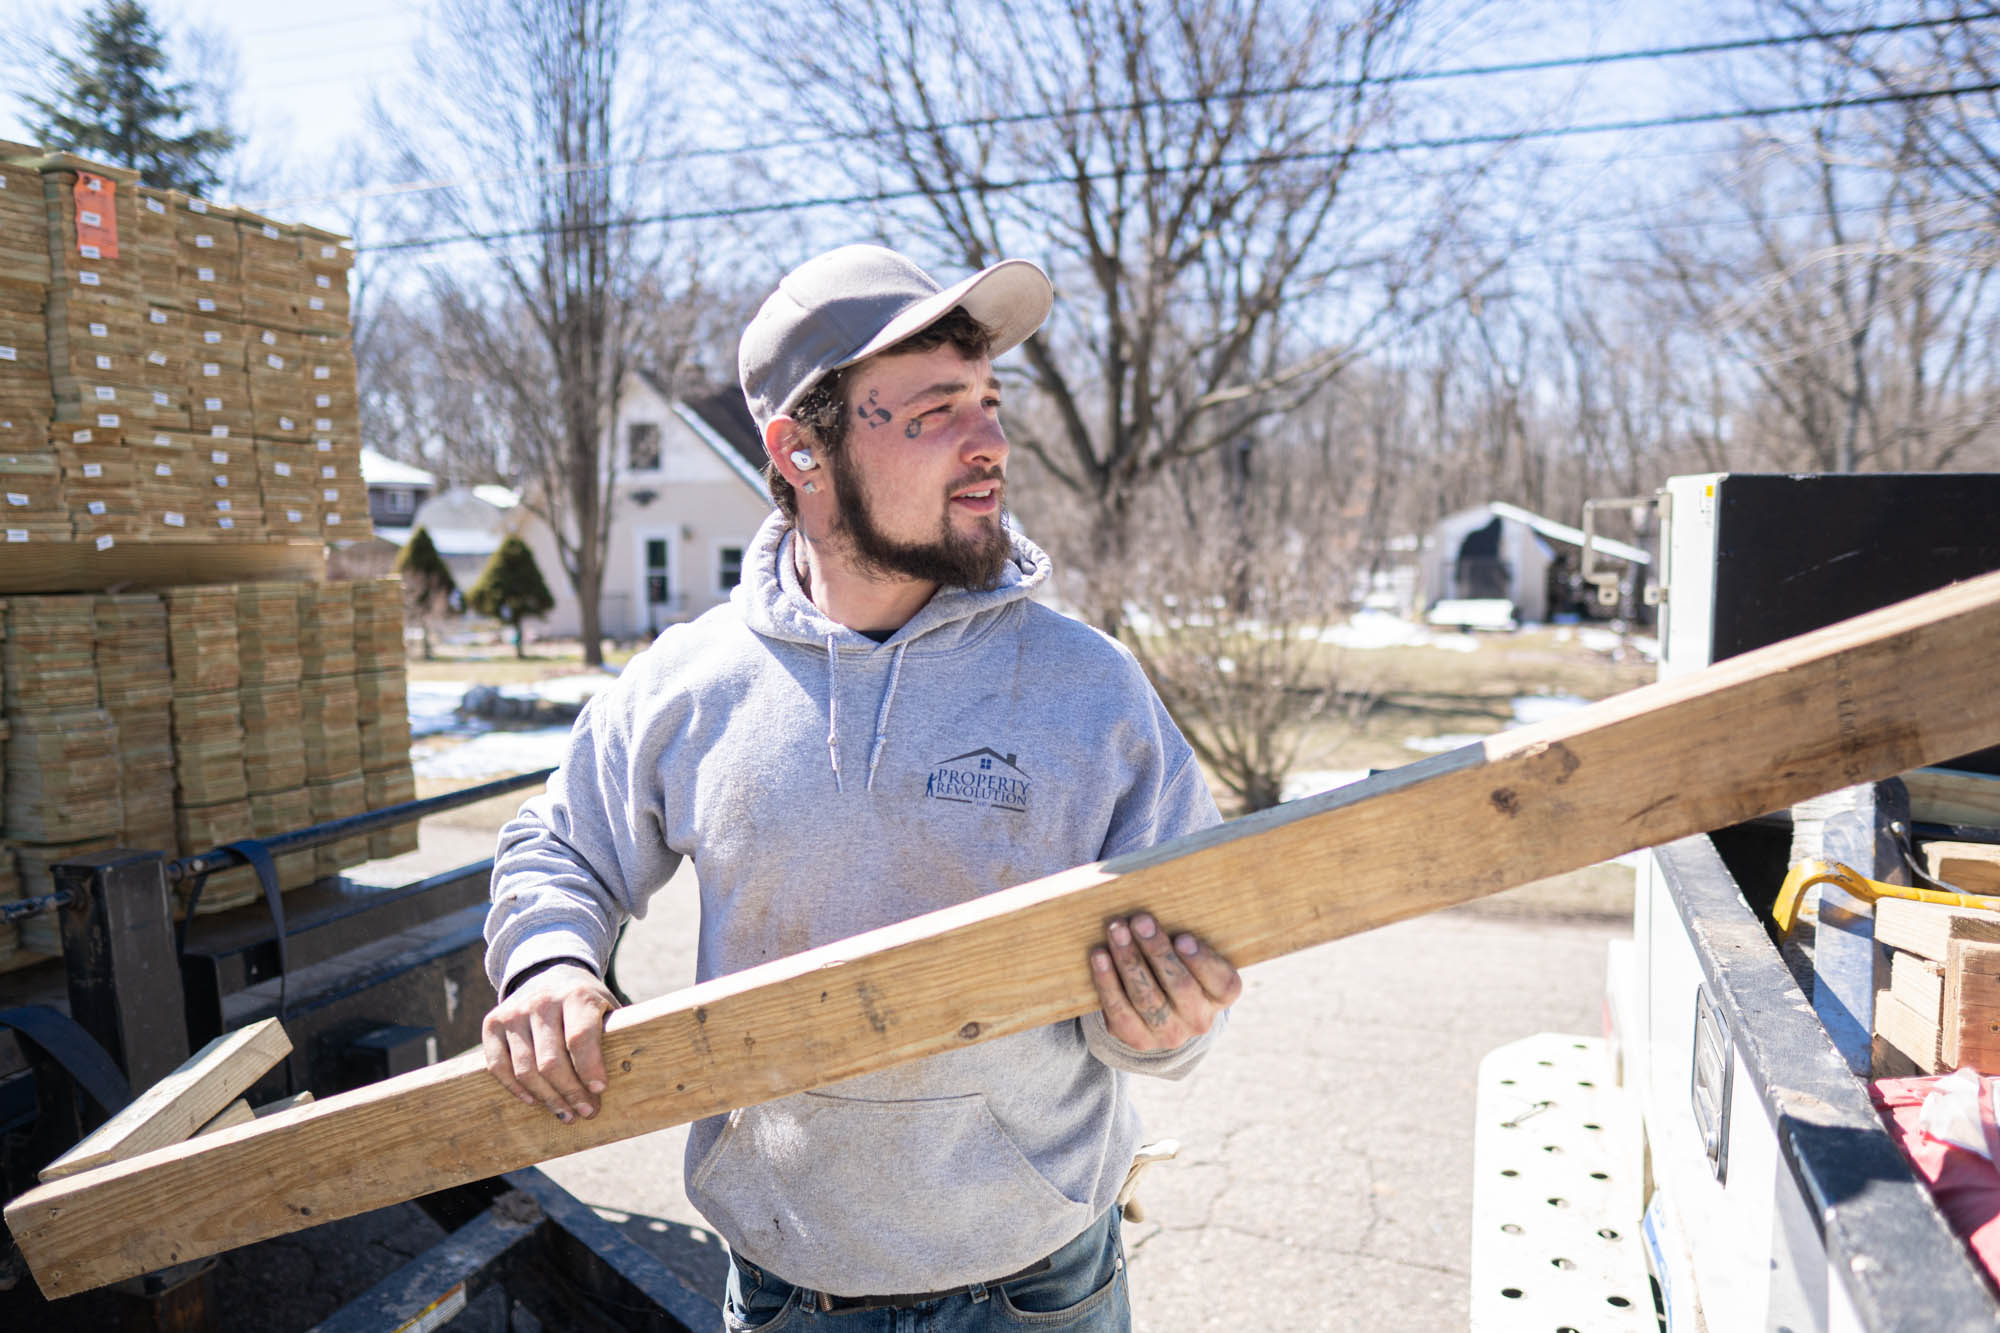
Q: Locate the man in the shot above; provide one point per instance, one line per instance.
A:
(972, 740)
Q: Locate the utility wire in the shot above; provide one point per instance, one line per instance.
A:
(1260, 160)
(1146, 104)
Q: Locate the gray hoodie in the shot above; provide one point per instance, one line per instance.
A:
(825, 785)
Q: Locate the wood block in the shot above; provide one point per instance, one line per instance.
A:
(1927, 929)
(1749, 734)
(292, 1102)
(1918, 982)
(1885, 1061)
(173, 1109)
(1970, 867)
(1914, 1034)
(236, 1113)
(1970, 1027)
(1951, 796)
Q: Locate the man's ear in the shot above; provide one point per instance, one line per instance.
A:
(782, 436)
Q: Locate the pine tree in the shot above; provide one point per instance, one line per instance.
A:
(110, 101)
(511, 589)
(427, 582)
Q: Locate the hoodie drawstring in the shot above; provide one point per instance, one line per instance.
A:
(832, 704)
(882, 716)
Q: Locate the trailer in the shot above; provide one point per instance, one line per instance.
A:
(368, 982)
(1713, 1160)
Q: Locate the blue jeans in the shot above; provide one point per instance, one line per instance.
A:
(1081, 1291)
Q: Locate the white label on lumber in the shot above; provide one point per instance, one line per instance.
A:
(163, 469)
(8, 354)
(93, 469)
(88, 279)
(174, 520)
(274, 361)
(155, 206)
(323, 280)
(89, 219)
(105, 393)
(270, 339)
(108, 420)
(197, 206)
(104, 543)
(156, 316)
(225, 522)
(18, 501)
(322, 372)
(270, 231)
(322, 400)
(330, 497)
(324, 446)
(211, 405)
(160, 399)
(222, 506)
(211, 335)
(218, 432)
(217, 456)
(222, 481)
(90, 252)
(328, 471)
(287, 424)
(322, 423)
(157, 358)
(315, 303)
(99, 331)
(282, 469)
(205, 304)
(333, 521)
(80, 436)
(328, 251)
(17, 534)
(204, 275)
(96, 508)
(204, 242)
(293, 516)
(103, 362)
(211, 369)
(164, 440)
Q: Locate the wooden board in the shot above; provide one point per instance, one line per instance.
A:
(1950, 796)
(1748, 735)
(1971, 867)
(1969, 1032)
(182, 1102)
(1927, 929)
(1918, 983)
(1912, 1034)
(81, 567)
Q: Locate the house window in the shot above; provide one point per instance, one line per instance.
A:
(642, 445)
(399, 502)
(729, 571)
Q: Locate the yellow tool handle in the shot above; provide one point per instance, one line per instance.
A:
(1805, 874)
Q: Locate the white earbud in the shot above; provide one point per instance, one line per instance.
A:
(803, 460)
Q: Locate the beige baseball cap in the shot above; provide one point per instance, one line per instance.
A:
(848, 304)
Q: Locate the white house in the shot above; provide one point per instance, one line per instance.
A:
(1502, 552)
(687, 500)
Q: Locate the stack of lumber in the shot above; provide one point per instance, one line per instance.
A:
(32, 505)
(238, 507)
(285, 483)
(49, 655)
(207, 263)
(386, 787)
(95, 300)
(156, 249)
(203, 828)
(378, 624)
(287, 811)
(100, 481)
(136, 683)
(62, 777)
(331, 728)
(161, 316)
(326, 630)
(207, 712)
(384, 711)
(172, 487)
(339, 799)
(12, 954)
(25, 402)
(267, 633)
(1942, 1006)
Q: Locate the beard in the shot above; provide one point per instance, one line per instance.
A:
(961, 560)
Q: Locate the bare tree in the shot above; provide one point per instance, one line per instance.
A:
(1189, 172)
(551, 132)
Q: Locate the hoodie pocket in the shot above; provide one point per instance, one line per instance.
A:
(850, 1195)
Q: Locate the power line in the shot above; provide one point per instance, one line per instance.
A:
(981, 187)
(1146, 104)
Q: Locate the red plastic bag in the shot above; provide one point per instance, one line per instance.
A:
(1965, 1185)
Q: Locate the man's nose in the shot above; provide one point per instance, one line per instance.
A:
(985, 443)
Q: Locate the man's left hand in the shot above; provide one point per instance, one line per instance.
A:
(1159, 993)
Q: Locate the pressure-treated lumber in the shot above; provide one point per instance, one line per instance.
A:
(1852, 703)
(1970, 867)
(1950, 796)
(183, 1103)
(1927, 929)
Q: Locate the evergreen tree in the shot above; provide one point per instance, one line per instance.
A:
(427, 582)
(111, 101)
(511, 589)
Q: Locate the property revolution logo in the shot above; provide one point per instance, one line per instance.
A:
(980, 777)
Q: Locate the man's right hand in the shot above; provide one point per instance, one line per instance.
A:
(545, 1041)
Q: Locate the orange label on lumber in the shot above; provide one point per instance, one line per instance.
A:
(96, 220)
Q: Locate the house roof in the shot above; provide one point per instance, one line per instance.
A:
(720, 419)
(497, 496)
(1563, 532)
(382, 470)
